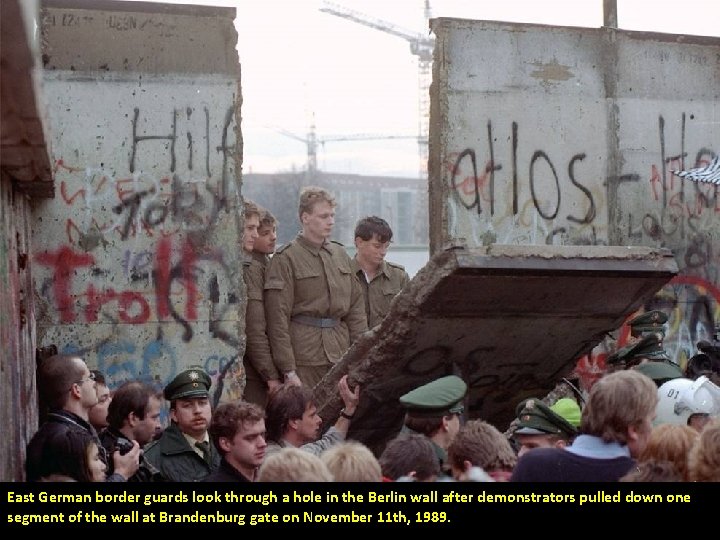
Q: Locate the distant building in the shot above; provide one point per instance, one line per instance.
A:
(402, 202)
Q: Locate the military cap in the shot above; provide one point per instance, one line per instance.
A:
(648, 347)
(650, 321)
(190, 383)
(437, 398)
(619, 356)
(660, 372)
(536, 418)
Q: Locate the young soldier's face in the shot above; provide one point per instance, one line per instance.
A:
(373, 250)
(250, 232)
(318, 224)
(265, 242)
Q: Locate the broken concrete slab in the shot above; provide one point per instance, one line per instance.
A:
(511, 320)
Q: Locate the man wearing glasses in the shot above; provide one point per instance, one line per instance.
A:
(67, 393)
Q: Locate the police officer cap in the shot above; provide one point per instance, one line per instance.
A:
(536, 418)
(437, 398)
(650, 321)
(191, 383)
(648, 347)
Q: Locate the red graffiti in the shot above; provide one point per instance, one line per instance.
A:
(162, 278)
(64, 262)
(133, 308)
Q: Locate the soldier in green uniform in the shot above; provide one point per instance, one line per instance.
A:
(541, 426)
(314, 306)
(648, 357)
(650, 322)
(260, 371)
(264, 245)
(184, 453)
(434, 410)
(381, 280)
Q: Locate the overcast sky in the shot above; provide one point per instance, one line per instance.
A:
(301, 65)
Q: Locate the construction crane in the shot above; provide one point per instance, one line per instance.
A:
(421, 46)
(312, 141)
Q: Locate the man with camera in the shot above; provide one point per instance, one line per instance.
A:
(133, 415)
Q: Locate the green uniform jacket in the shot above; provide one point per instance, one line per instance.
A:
(387, 283)
(172, 456)
(303, 279)
(258, 358)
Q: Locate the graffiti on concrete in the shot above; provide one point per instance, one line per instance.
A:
(144, 271)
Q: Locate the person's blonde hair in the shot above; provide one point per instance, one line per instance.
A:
(293, 465)
(704, 459)
(310, 196)
(671, 443)
(351, 461)
(251, 209)
(617, 401)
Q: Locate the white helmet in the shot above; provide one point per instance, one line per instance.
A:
(681, 398)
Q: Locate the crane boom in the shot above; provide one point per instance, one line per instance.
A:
(420, 45)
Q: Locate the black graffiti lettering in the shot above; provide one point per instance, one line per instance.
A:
(539, 154)
(187, 205)
(133, 203)
(491, 170)
(139, 138)
(514, 167)
(226, 152)
(698, 252)
(155, 213)
(188, 112)
(590, 215)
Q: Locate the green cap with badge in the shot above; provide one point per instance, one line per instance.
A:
(535, 418)
(440, 397)
(191, 383)
(650, 321)
(648, 348)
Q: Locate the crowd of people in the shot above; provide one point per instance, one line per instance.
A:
(645, 420)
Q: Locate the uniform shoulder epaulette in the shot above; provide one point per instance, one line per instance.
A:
(395, 265)
(338, 243)
(282, 248)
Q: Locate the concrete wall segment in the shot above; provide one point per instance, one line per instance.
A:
(568, 136)
(138, 258)
(140, 37)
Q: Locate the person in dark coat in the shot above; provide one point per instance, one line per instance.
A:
(238, 432)
(67, 389)
(184, 452)
(134, 415)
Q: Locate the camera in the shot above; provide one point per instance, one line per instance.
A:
(123, 445)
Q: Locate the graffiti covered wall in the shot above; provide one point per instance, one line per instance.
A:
(137, 259)
(551, 135)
